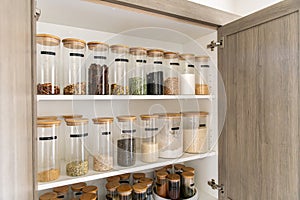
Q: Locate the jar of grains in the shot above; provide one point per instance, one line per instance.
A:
(111, 190)
(119, 84)
(173, 186)
(126, 144)
(103, 152)
(171, 82)
(139, 191)
(203, 75)
(48, 165)
(77, 189)
(125, 192)
(155, 75)
(47, 64)
(97, 69)
(62, 192)
(187, 78)
(76, 155)
(136, 74)
(74, 71)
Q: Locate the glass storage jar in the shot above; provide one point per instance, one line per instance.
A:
(49, 196)
(161, 183)
(187, 77)
(90, 189)
(119, 84)
(149, 183)
(203, 75)
(47, 64)
(136, 74)
(48, 165)
(139, 191)
(125, 192)
(178, 168)
(76, 155)
(103, 152)
(126, 144)
(195, 136)
(171, 140)
(111, 190)
(173, 186)
(171, 81)
(187, 185)
(137, 176)
(74, 71)
(97, 69)
(77, 189)
(149, 146)
(62, 192)
(125, 178)
(155, 75)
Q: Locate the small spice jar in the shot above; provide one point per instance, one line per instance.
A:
(48, 165)
(173, 186)
(103, 152)
(178, 168)
(169, 169)
(171, 81)
(155, 75)
(149, 146)
(161, 184)
(124, 192)
(90, 189)
(88, 196)
(97, 70)
(203, 75)
(137, 176)
(74, 71)
(188, 169)
(125, 178)
(49, 196)
(149, 183)
(136, 74)
(47, 64)
(111, 190)
(126, 144)
(139, 191)
(119, 84)
(62, 192)
(76, 155)
(187, 78)
(187, 185)
(77, 189)
(113, 179)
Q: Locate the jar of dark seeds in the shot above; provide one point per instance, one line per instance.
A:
(126, 144)
(155, 74)
(171, 79)
(97, 69)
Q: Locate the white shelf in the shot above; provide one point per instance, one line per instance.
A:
(117, 97)
(139, 166)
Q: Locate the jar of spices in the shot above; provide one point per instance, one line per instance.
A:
(119, 84)
(124, 192)
(49, 196)
(126, 144)
(178, 168)
(125, 178)
(136, 75)
(187, 78)
(88, 196)
(203, 75)
(149, 144)
(90, 189)
(171, 81)
(161, 184)
(103, 153)
(188, 169)
(137, 176)
(74, 71)
(173, 186)
(195, 135)
(97, 70)
(62, 192)
(149, 183)
(76, 155)
(77, 189)
(47, 64)
(139, 191)
(171, 140)
(48, 165)
(113, 179)
(187, 185)
(169, 169)
(155, 75)
(111, 190)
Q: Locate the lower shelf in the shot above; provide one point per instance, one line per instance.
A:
(139, 166)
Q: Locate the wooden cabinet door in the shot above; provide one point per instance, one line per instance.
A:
(259, 143)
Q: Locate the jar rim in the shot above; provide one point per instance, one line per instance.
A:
(47, 39)
(97, 46)
(103, 120)
(74, 43)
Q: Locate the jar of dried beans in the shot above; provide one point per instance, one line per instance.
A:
(171, 81)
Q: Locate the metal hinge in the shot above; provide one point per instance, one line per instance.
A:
(214, 44)
(37, 14)
(215, 186)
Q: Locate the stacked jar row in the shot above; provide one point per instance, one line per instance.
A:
(133, 71)
(162, 135)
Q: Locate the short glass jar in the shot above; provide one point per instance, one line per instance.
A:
(125, 192)
(139, 191)
(187, 185)
(149, 183)
(111, 190)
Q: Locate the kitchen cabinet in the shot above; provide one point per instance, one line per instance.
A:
(258, 150)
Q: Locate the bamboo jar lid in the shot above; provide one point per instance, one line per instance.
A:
(124, 189)
(72, 116)
(90, 189)
(187, 174)
(46, 117)
(124, 176)
(155, 53)
(76, 121)
(195, 113)
(48, 196)
(74, 43)
(148, 117)
(178, 166)
(61, 189)
(147, 181)
(47, 40)
(173, 177)
(97, 46)
(140, 187)
(112, 186)
(162, 174)
(119, 48)
(170, 115)
(126, 118)
(170, 55)
(103, 120)
(187, 56)
(137, 176)
(138, 51)
(113, 179)
(201, 58)
(88, 196)
(48, 123)
(77, 187)
(188, 169)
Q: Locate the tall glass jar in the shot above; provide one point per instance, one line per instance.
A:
(125, 192)
(48, 165)
(136, 75)
(161, 183)
(187, 185)
(149, 183)
(74, 71)
(187, 77)
(111, 190)
(76, 155)
(171, 139)
(103, 153)
(139, 191)
(126, 144)
(119, 84)
(97, 69)
(149, 145)
(47, 64)
(62, 192)
(155, 75)
(171, 82)
(173, 186)
(203, 75)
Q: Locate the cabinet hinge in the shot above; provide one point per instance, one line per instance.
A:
(37, 14)
(216, 186)
(214, 44)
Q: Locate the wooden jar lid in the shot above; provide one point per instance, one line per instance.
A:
(140, 187)
(90, 189)
(155, 53)
(148, 117)
(187, 56)
(126, 118)
(48, 196)
(170, 115)
(195, 113)
(47, 40)
(119, 48)
(61, 189)
(72, 116)
(188, 169)
(113, 178)
(178, 166)
(73, 43)
(124, 176)
(46, 117)
(97, 46)
(173, 177)
(147, 181)
(78, 186)
(88, 196)
(201, 58)
(170, 55)
(48, 123)
(112, 186)
(187, 174)
(137, 176)
(162, 174)
(124, 189)
(76, 121)
(138, 51)
(103, 120)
